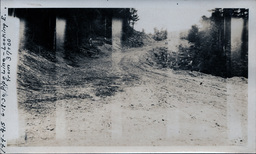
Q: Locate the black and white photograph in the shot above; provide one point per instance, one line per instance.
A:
(165, 74)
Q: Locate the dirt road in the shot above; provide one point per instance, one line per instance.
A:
(134, 104)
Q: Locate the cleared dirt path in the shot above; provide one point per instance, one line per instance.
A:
(196, 109)
(149, 107)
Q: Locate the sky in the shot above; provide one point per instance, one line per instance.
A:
(172, 19)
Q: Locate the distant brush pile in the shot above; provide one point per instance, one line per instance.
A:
(99, 46)
(137, 39)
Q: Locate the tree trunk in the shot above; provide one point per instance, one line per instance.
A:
(227, 39)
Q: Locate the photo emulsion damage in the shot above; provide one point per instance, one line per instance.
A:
(131, 77)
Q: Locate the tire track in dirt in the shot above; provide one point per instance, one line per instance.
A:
(199, 99)
(154, 107)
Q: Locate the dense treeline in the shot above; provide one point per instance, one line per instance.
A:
(81, 25)
(210, 51)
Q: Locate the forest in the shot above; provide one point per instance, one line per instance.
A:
(81, 25)
(210, 49)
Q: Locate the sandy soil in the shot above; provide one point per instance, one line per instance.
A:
(130, 102)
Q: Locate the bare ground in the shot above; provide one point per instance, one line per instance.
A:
(129, 102)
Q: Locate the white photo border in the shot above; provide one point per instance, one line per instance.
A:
(250, 4)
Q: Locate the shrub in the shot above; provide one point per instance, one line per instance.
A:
(160, 35)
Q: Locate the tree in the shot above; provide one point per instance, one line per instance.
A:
(193, 34)
(133, 17)
(129, 17)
